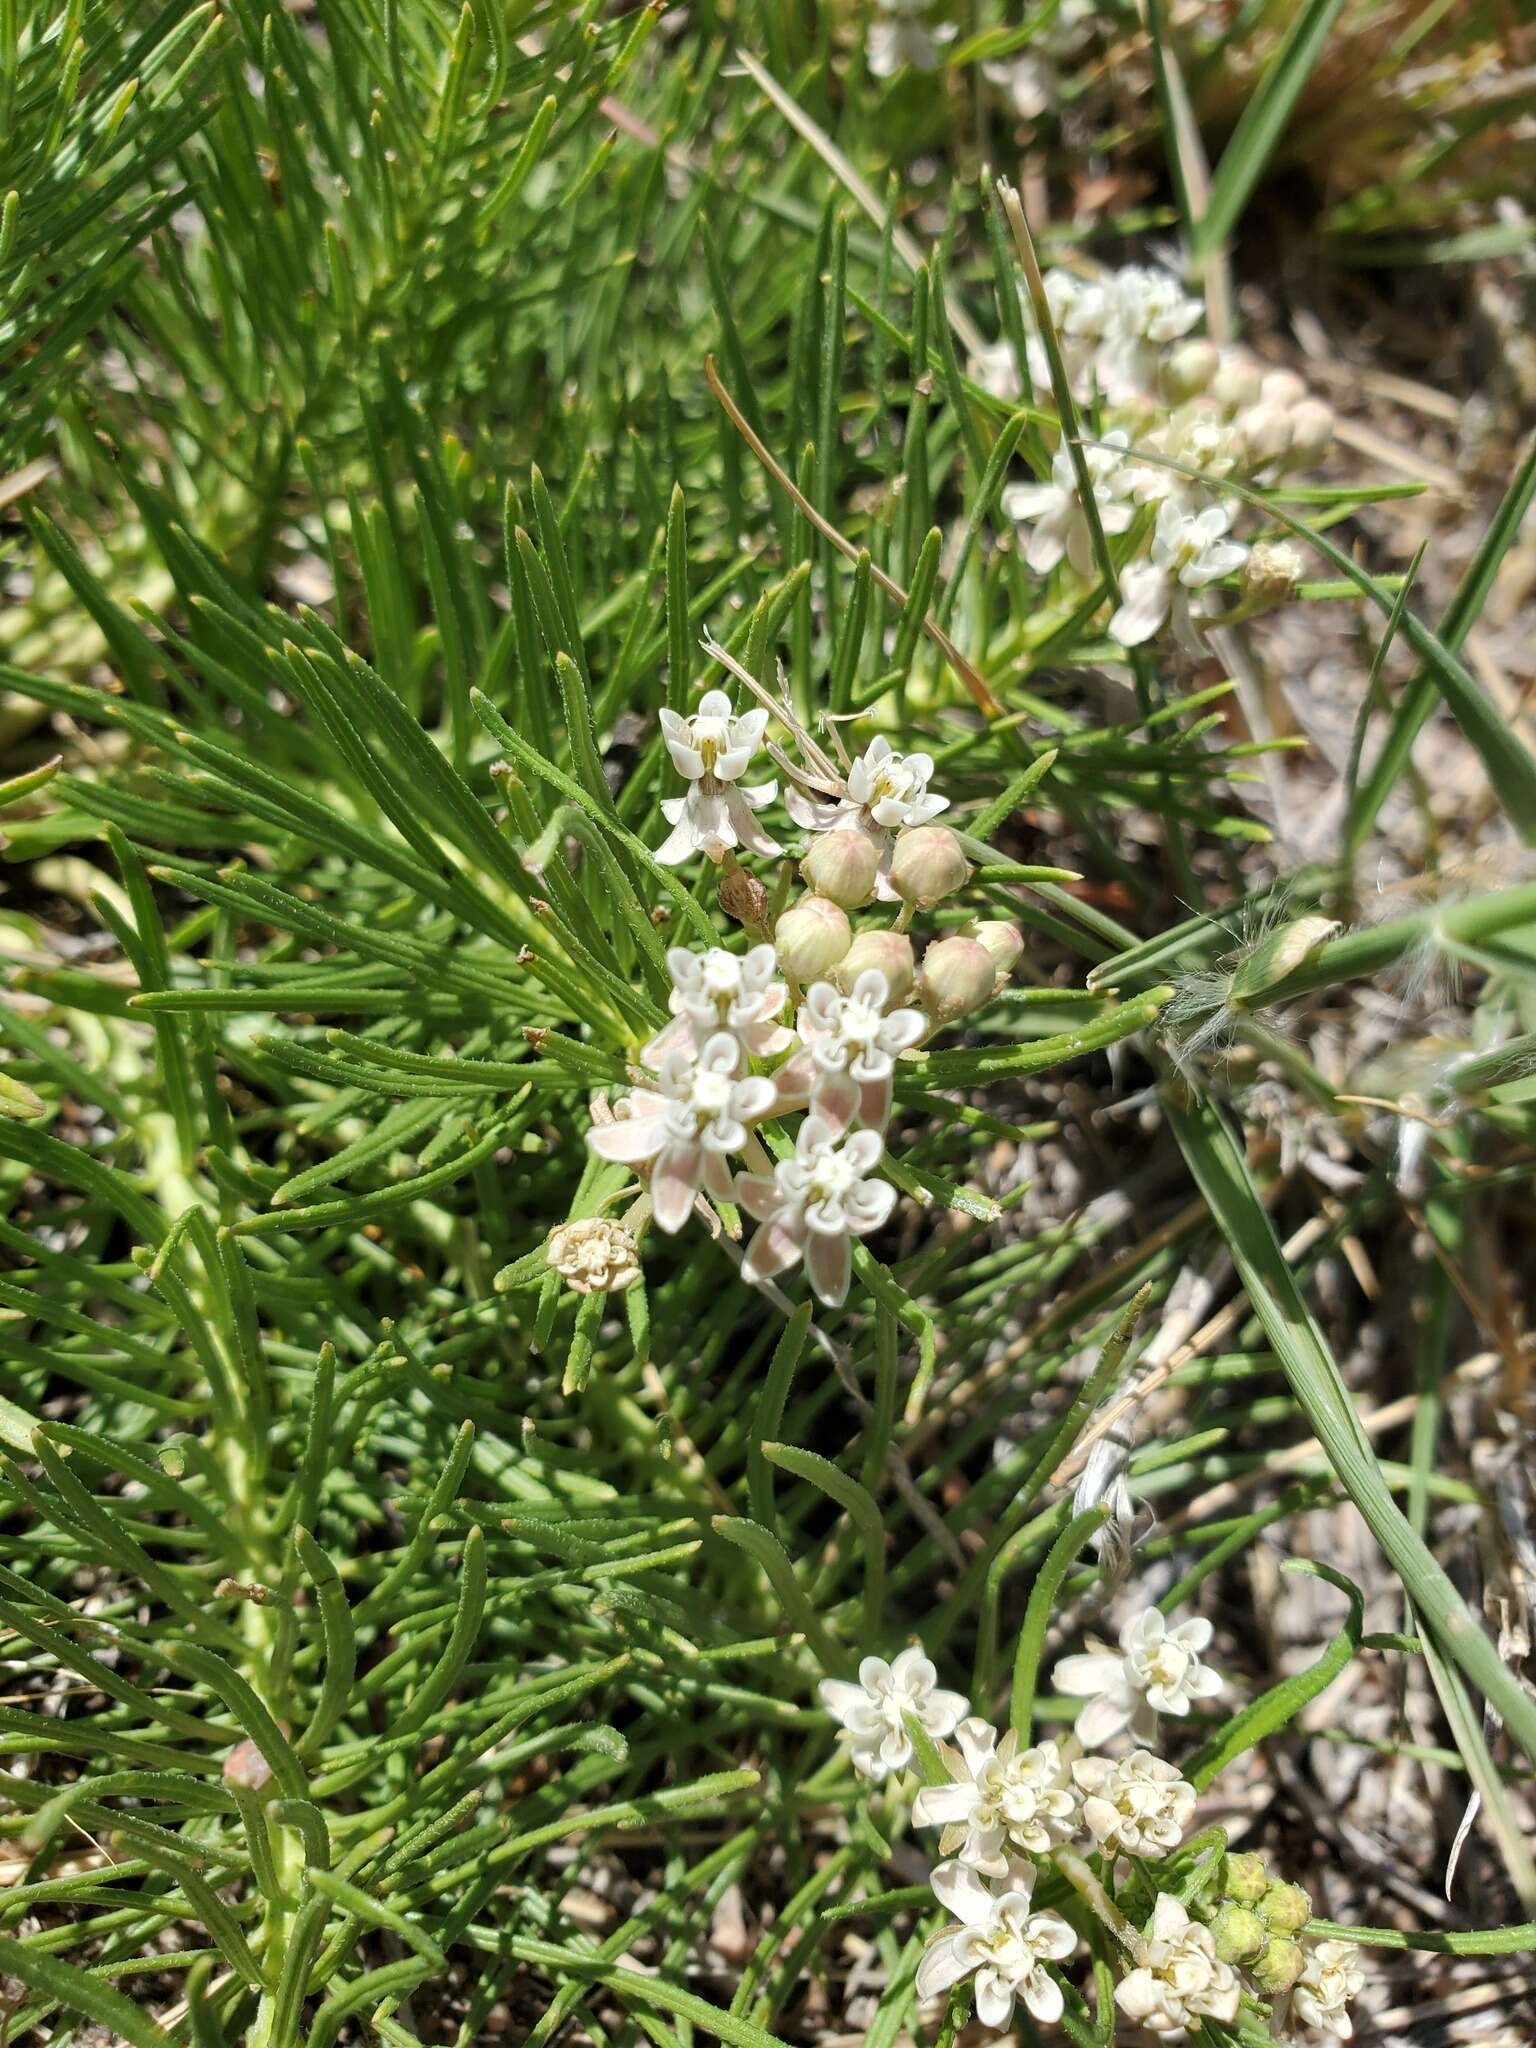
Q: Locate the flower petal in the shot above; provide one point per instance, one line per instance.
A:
(960, 1891)
(829, 1267)
(674, 1184)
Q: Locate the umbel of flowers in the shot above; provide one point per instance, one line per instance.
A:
(1174, 420)
(811, 1021)
(1018, 1819)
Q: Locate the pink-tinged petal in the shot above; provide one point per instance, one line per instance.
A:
(994, 1999)
(674, 1184)
(758, 1194)
(829, 1267)
(718, 1179)
(808, 814)
(793, 1081)
(834, 1105)
(960, 1891)
(767, 1040)
(1092, 1672)
(627, 1143)
(772, 1250)
(943, 1806)
(875, 1102)
(944, 1963)
(676, 1037)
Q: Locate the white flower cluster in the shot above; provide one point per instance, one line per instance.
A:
(1006, 1808)
(872, 836)
(1178, 417)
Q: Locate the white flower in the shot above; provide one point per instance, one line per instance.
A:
(853, 1034)
(999, 1939)
(905, 40)
(698, 1111)
(1179, 1980)
(594, 1255)
(1332, 1977)
(712, 750)
(1146, 311)
(995, 368)
(714, 990)
(1189, 550)
(874, 1712)
(1000, 1797)
(1056, 513)
(1198, 437)
(819, 1198)
(885, 793)
(1157, 1670)
(1139, 1806)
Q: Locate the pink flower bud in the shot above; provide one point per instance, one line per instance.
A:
(841, 866)
(958, 975)
(891, 952)
(1005, 942)
(1264, 434)
(1189, 370)
(928, 865)
(812, 938)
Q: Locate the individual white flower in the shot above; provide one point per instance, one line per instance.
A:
(874, 1712)
(1000, 1797)
(856, 1034)
(1189, 550)
(1179, 1980)
(1001, 1941)
(1056, 515)
(1147, 311)
(698, 1112)
(594, 1255)
(885, 793)
(713, 990)
(712, 750)
(820, 1198)
(1157, 1670)
(1196, 436)
(995, 368)
(1332, 1977)
(1139, 1806)
(903, 39)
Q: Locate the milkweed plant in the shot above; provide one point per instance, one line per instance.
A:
(678, 1234)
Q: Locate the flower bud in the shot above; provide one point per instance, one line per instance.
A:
(1271, 573)
(1245, 1877)
(1282, 388)
(1237, 383)
(891, 952)
(1311, 431)
(928, 865)
(1285, 1908)
(841, 866)
(1005, 943)
(1239, 1934)
(1277, 1969)
(246, 1767)
(958, 975)
(1263, 434)
(1189, 370)
(743, 897)
(811, 938)
(1271, 959)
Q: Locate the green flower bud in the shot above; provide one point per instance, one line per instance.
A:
(928, 865)
(812, 938)
(1245, 1877)
(1273, 958)
(1277, 1969)
(1237, 383)
(1239, 1934)
(1005, 942)
(958, 975)
(841, 866)
(891, 952)
(1286, 1908)
(1311, 432)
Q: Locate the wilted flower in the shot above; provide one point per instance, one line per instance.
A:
(1000, 1797)
(713, 749)
(713, 990)
(1055, 512)
(820, 1198)
(1180, 1980)
(594, 1255)
(1189, 550)
(1139, 1806)
(698, 1112)
(857, 1034)
(1157, 1670)
(1001, 1940)
(874, 1712)
(1331, 1978)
